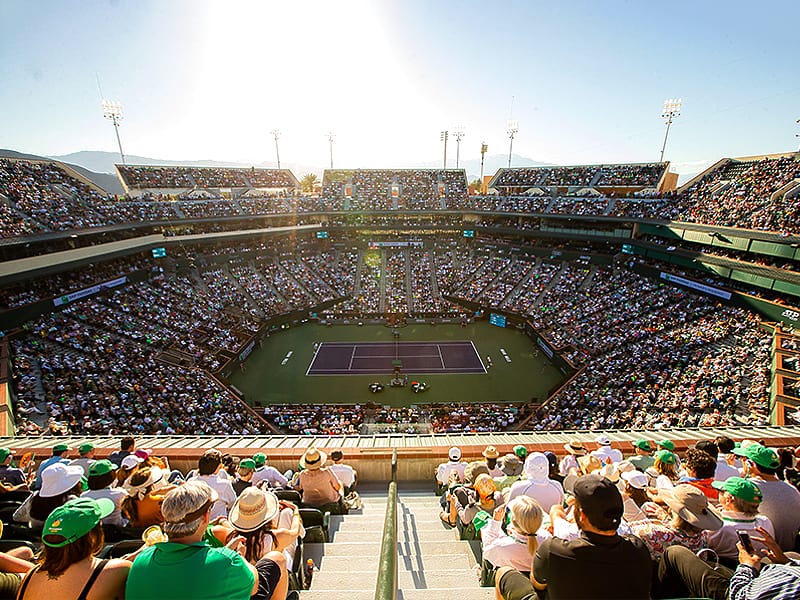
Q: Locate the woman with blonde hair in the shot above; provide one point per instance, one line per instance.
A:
(515, 546)
(662, 474)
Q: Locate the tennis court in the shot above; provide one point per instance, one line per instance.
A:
(377, 358)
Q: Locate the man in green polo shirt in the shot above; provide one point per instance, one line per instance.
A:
(642, 458)
(187, 567)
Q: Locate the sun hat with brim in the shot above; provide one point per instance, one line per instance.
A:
(4, 454)
(74, 519)
(636, 479)
(610, 472)
(247, 463)
(575, 447)
(510, 464)
(313, 459)
(260, 459)
(642, 444)
(738, 487)
(101, 467)
(60, 448)
(665, 456)
(763, 457)
(691, 505)
(589, 464)
(668, 444)
(253, 509)
(490, 452)
(131, 461)
(85, 448)
(454, 453)
(59, 478)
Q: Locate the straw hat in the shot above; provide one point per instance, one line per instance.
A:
(253, 509)
(313, 459)
(59, 478)
(490, 452)
(575, 447)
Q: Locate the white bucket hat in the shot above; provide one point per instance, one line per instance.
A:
(59, 478)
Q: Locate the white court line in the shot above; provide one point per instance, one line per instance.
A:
(352, 356)
(313, 358)
(478, 355)
(441, 358)
(401, 356)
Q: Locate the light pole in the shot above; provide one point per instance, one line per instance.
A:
(113, 111)
(797, 135)
(484, 150)
(276, 133)
(512, 129)
(459, 134)
(330, 145)
(443, 137)
(672, 109)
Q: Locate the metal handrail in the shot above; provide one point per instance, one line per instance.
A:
(386, 586)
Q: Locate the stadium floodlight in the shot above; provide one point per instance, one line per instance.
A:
(797, 135)
(512, 127)
(331, 135)
(113, 111)
(276, 133)
(672, 109)
(459, 134)
(443, 137)
(484, 150)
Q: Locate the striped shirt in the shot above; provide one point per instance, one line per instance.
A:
(773, 582)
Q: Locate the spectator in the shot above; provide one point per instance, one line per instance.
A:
(455, 464)
(318, 485)
(269, 526)
(597, 553)
(511, 468)
(345, 473)
(130, 464)
(516, 546)
(569, 464)
(86, 452)
(605, 452)
(9, 475)
(244, 476)
(60, 483)
(634, 495)
(538, 485)
(101, 476)
(662, 474)
(700, 469)
(642, 458)
(459, 497)
(126, 446)
(146, 491)
(739, 500)
(59, 455)
(208, 469)
(68, 566)
(780, 500)
(184, 567)
(482, 495)
(521, 452)
(491, 455)
(267, 473)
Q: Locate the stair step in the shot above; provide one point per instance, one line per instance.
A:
(476, 593)
(439, 578)
(347, 579)
(343, 594)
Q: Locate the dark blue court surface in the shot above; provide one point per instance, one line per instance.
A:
(375, 358)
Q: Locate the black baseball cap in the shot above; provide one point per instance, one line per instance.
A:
(600, 501)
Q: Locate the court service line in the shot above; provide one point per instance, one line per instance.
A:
(441, 358)
(474, 349)
(352, 356)
(313, 358)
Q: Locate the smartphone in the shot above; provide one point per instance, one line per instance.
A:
(744, 537)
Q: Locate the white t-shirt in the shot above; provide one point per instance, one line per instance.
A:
(444, 470)
(271, 475)
(508, 550)
(226, 494)
(116, 495)
(345, 473)
(547, 493)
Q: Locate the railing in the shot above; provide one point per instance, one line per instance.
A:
(386, 586)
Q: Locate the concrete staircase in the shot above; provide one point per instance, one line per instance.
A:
(432, 563)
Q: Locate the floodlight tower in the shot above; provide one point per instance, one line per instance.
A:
(672, 109)
(512, 128)
(797, 135)
(459, 134)
(443, 137)
(330, 145)
(113, 111)
(484, 150)
(276, 133)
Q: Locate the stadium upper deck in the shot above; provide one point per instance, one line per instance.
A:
(138, 179)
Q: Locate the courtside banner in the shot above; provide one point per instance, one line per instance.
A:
(695, 285)
(67, 298)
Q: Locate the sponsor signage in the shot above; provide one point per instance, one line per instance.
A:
(792, 315)
(544, 346)
(498, 320)
(90, 291)
(696, 285)
(246, 352)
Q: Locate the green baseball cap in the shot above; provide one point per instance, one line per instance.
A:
(73, 520)
(60, 448)
(740, 488)
(642, 444)
(666, 457)
(521, 451)
(668, 444)
(4, 453)
(763, 457)
(247, 463)
(259, 458)
(101, 467)
(85, 448)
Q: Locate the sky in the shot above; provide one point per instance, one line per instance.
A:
(585, 80)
